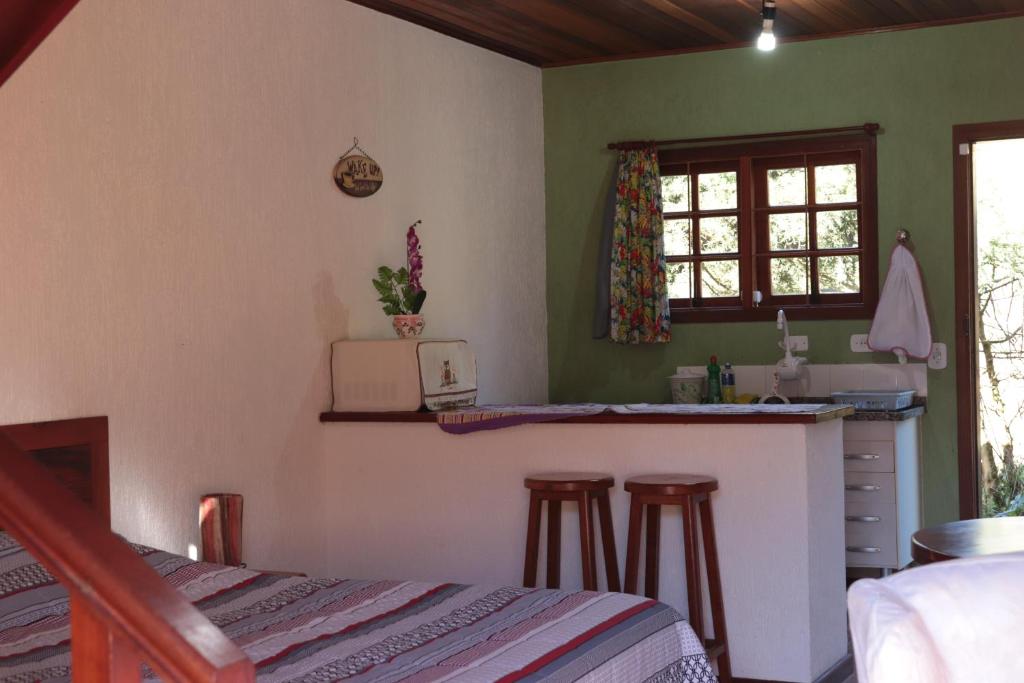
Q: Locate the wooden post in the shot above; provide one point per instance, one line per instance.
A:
(220, 520)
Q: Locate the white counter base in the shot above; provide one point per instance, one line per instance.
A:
(412, 502)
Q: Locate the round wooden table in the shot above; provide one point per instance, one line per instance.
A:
(968, 538)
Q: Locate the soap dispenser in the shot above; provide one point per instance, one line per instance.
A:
(714, 381)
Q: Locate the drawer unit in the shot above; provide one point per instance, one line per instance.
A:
(868, 456)
(882, 492)
(871, 535)
(875, 488)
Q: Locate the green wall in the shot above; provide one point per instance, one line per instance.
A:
(916, 84)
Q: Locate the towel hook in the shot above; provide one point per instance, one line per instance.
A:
(903, 236)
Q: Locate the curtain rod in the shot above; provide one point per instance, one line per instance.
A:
(869, 128)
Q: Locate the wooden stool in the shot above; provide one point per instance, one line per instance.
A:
(688, 491)
(582, 487)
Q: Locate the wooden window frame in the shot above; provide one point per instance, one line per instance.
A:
(696, 258)
(749, 160)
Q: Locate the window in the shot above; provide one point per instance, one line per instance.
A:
(791, 222)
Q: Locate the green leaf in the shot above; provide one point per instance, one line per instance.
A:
(392, 309)
(385, 273)
(381, 288)
(402, 276)
(417, 302)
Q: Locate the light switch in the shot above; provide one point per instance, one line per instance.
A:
(937, 358)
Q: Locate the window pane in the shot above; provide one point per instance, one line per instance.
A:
(787, 186)
(837, 229)
(838, 275)
(789, 276)
(677, 237)
(680, 281)
(720, 278)
(675, 193)
(716, 191)
(719, 235)
(836, 183)
(787, 231)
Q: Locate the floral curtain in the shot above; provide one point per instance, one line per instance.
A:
(639, 293)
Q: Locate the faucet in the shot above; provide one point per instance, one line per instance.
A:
(789, 367)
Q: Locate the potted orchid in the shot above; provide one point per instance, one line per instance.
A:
(401, 291)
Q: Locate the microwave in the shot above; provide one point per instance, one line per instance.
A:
(390, 375)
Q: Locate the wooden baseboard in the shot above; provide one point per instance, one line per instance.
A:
(838, 673)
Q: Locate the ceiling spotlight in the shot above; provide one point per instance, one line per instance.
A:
(766, 41)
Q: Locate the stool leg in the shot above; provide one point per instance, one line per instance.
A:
(611, 560)
(633, 544)
(554, 543)
(532, 541)
(694, 598)
(651, 562)
(587, 551)
(715, 588)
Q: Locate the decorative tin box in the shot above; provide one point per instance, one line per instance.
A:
(402, 374)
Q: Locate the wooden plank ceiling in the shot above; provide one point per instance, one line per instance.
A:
(554, 32)
(23, 25)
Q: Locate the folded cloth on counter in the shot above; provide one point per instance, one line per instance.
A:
(479, 418)
(901, 322)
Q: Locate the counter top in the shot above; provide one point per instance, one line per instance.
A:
(887, 415)
(698, 414)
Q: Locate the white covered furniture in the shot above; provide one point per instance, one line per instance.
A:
(945, 622)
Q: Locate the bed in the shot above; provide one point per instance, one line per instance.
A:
(306, 629)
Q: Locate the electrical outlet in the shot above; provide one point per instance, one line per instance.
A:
(859, 343)
(937, 358)
(798, 343)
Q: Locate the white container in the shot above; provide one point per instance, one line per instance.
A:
(875, 400)
(402, 375)
(687, 388)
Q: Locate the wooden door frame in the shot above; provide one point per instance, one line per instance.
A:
(965, 283)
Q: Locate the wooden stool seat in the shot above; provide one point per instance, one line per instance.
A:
(569, 481)
(691, 492)
(583, 488)
(671, 484)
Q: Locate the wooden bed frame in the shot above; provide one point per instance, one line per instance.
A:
(55, 500)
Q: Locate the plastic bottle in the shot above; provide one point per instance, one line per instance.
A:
(728, 384)
(714, 381)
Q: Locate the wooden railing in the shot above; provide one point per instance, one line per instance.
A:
(123, 613)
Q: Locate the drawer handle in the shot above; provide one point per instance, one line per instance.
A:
(862, 549)
(861, 456)
(863, 487)
(863, 518)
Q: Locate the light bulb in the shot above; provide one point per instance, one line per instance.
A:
(766, 41)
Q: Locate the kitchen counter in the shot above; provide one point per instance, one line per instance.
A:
(453, 508)
(887, 415)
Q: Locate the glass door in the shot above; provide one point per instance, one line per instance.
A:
(997, 207)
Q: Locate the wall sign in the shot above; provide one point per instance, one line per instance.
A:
(358, 175)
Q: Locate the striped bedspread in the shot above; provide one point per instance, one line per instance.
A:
(304, 629)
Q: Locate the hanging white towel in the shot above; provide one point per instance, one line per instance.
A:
(901, 322)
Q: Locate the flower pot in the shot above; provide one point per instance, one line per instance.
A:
(407, 326)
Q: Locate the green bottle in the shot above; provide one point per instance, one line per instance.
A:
(714, 381)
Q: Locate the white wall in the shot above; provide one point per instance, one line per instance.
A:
(175, 255)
